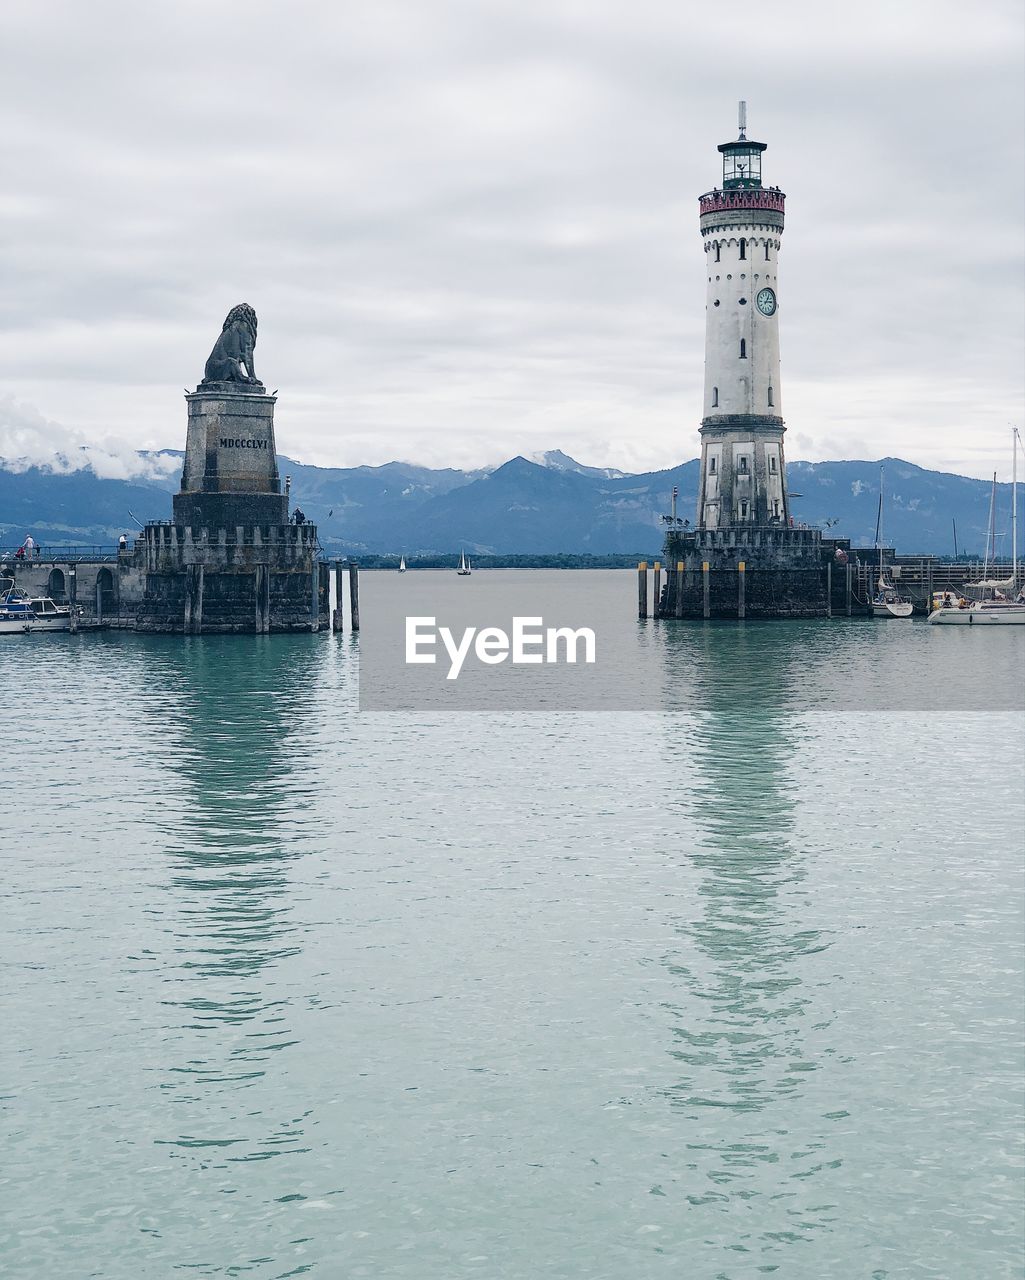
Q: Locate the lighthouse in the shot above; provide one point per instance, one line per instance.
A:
(743, 477)
(744, 557)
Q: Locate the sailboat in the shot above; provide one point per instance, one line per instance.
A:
(464, 569)
(1003, 602)
(402, 564)
(887, 601)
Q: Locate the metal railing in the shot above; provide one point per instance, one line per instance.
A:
(63, 555)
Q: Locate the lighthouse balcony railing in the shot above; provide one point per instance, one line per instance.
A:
(717, 201)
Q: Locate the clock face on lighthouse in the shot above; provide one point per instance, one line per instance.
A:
(766, 302)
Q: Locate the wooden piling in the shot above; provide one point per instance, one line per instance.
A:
(315, 596)
(849, 588)
(265, 602)
(829, 588)
(642, 589)
(353, 595)
(679, 588)
(338, 618)
(742, 589)
(73, 597)
(706, 596)
(656, 591)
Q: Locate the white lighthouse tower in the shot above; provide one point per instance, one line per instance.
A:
(743, 477)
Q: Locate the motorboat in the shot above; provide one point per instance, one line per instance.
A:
(21, 613)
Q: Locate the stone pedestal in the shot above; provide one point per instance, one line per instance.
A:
(230, 476)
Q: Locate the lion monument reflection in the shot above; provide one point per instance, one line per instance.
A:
(232, 357)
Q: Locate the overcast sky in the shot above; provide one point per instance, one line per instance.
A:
(470, 229)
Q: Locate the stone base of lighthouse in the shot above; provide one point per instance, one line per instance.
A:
(758, 572)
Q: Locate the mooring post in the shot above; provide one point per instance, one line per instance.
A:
(353, 595)
(742, 589)
(656, 591)
(642, 589)
(315, 596)
(338, 616)
(73, 597)
(829, 588)
(706, 601)
(849, 575)
(679, 588)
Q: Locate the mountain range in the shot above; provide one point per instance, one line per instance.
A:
(546, 505)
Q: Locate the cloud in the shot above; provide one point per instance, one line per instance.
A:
(28, 439)
(471, 231)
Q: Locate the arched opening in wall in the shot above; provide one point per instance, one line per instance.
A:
(743, 511)
(743, 249)
(770, 397)
(766, 251)
(57, 587)
(743, 349)
(106, 599)
(717, 251)
(715, 397)
(711, 465)
(772, 461)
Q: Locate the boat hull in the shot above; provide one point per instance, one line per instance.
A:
(893, 609)
(23, 626)
(973, 617)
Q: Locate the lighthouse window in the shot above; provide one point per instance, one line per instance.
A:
(766, 251)
(743, 302)
(743, 250)
(770, 401)
(715, 303)
(772, 458)
(717, 251)
(743, 511)
(775, 509)
(743, 349)
(715, 399)
(711, 466)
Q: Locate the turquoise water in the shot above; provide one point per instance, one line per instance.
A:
(294, 990)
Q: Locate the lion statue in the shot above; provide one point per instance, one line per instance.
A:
(232, 357)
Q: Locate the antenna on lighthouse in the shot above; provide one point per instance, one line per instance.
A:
(742, 119)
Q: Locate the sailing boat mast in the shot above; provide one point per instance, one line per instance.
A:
(1015, 438)
(879, 527)
(991, 536)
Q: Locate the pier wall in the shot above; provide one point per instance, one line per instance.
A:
(183, 581)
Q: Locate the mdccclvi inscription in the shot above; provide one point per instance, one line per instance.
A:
(237, 442)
